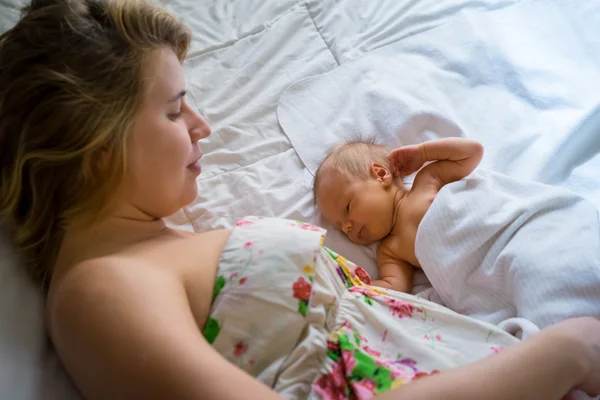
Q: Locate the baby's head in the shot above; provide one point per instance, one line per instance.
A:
(355, 190)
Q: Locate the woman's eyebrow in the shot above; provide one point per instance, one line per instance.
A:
(178, 96)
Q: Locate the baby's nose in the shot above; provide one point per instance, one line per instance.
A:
(346, 227)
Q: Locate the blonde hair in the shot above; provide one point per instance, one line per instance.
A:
(70, 84)
(352, 159)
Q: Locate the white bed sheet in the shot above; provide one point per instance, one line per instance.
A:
(244, 54)
(520, 79)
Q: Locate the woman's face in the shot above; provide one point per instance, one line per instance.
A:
(163, 154)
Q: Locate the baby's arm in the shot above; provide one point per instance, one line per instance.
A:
(455, 158)
(393, 273)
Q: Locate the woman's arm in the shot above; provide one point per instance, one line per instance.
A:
(544, 367)
(127, 332)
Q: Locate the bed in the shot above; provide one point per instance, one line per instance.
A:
(255, 68)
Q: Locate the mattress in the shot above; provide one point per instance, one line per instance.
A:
(244, 54)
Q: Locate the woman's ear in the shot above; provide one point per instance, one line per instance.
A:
(381, 173)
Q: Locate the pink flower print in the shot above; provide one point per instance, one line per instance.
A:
(233, 276)
(364, 389)
(404, 368)
(333, 346)
(248, 244)
(243, 280)
(260, 252)
(384, 336)
(438, 337)
(348, 360)
(372, 352)
(301, 289)
(363, 275)
(422, 374)
(401, 309)
(426, 337)
(400, 371)
(244, 222)
(364, 291)
(239, 349)
(309, 227)
(332, 386)
(496, 350)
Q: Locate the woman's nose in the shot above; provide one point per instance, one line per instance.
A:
(198, 127)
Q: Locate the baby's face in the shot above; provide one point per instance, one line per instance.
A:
(362, 209)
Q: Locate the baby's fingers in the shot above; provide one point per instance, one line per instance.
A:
(397, 161)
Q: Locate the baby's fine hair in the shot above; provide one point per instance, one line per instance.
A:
(353, 159)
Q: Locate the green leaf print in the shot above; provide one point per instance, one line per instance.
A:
(303, 307)
(366, 367)
(368, 300)
(219, 284)
(211, 330)
(331, 253)
(333, 356)
(356, 338)
(345, 343)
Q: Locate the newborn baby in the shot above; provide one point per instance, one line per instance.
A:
(357, 190)
(493, 247)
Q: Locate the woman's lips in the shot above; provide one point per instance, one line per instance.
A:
(195, 167)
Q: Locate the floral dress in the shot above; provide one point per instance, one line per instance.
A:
(304, 320)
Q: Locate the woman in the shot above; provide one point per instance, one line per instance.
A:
(98, 145)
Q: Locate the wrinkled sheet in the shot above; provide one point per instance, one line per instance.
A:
(497, 248)
(244, 54)
(521, 79)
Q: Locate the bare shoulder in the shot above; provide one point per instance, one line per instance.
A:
(390, 248)
(125, 328)
(108, 290)
(102, 310)
(135, 314)
(426, 184)
(425, 188)
(115, 277)
(165, 270)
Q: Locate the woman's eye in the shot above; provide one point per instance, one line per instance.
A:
(175, 117)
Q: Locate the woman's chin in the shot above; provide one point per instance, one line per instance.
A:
(191, 194)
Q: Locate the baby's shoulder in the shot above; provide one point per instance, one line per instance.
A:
(391, 246)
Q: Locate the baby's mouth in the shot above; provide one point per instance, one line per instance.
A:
(359, 234)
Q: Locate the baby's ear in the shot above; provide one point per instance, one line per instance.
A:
(381, 173)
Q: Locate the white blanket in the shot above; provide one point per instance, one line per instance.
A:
(521, 80)
(495, 248)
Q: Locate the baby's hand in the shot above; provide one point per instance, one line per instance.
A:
(406, 160)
